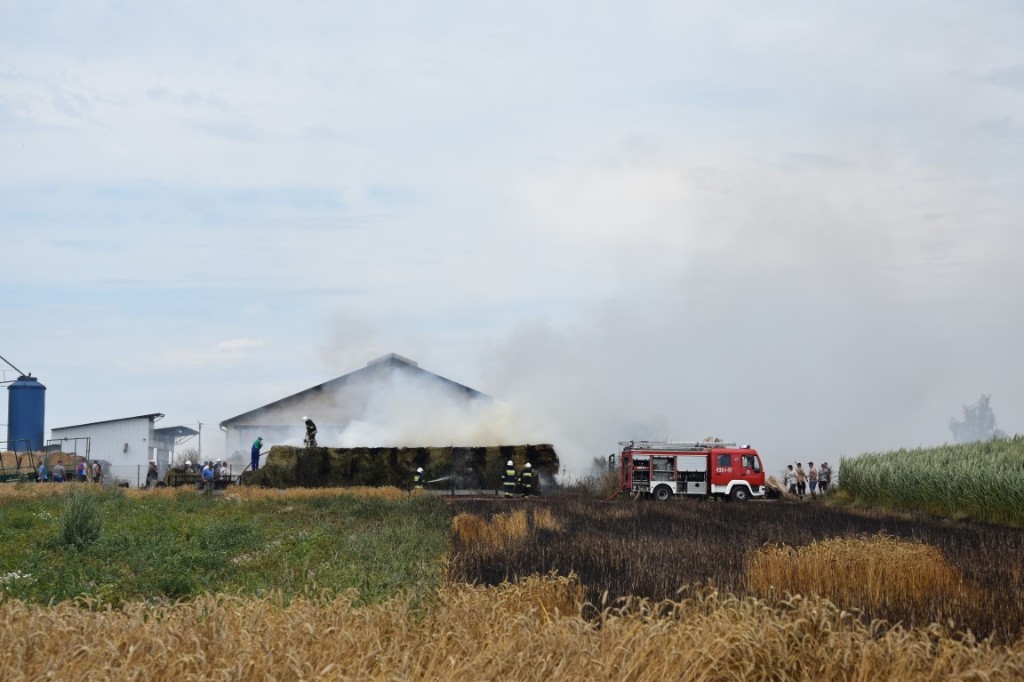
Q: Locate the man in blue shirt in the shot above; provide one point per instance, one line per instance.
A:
(256, 446)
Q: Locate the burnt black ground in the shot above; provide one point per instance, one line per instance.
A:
(650, 549)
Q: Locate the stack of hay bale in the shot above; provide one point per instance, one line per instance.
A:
(460, 467)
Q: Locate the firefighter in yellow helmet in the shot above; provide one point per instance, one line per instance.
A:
(508, 479)
(527, 480)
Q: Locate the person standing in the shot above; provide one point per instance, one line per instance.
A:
(97, 472)
(42, 473)
(801, 479)
(208, 476)
(82, 471)
(58, 472)
(824, 477)
(152, 474)
(527, 480)
(789, 480)
(812, 479)
(508, 479)
(310, 432)
(257, 445)
(417, 479)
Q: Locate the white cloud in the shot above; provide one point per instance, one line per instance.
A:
(232, 351)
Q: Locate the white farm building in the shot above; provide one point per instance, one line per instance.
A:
(125, 446)
(389, 400)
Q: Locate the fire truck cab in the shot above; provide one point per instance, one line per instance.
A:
(661, 469)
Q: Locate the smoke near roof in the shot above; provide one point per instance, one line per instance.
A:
(397, 409)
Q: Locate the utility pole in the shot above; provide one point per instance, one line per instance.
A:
(200, 441)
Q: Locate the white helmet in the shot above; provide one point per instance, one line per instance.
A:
(305, 419)
(188, 462)
(528, 465)
(419, 470)
(508, 463)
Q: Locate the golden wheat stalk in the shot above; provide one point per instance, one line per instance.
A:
(527, 631)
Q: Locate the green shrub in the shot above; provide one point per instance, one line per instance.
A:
(81, 522)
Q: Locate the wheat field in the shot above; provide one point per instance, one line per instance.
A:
(529, 631)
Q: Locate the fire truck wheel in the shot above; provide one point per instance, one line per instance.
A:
(662, 493)
(740, 494)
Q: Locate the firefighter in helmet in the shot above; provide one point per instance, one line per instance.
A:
(417, 479)
(508, 479)
(310, 432)
(527, 479)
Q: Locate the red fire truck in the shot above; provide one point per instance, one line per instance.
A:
(661, 469)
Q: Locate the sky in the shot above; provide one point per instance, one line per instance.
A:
(793, 224)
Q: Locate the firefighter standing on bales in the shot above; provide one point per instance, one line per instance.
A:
(310, 432)
(526, 480)
(508, 479)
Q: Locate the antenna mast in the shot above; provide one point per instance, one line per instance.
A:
(3, 377)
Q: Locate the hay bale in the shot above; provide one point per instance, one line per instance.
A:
(468, 467)
(180, 475)
(775, 490)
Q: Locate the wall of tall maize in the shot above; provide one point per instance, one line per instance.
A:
(983, 481)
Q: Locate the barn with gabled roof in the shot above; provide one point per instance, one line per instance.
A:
(375, 393)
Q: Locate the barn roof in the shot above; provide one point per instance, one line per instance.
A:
(379, 367)
(169, 432)
(153, 416)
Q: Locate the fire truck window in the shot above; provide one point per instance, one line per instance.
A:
(724, 460)
(751, 462)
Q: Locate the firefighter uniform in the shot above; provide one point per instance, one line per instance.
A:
(417, 479)
(508, 479)
(310, 432)
(527, 480)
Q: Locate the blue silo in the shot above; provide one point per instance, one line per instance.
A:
(26, 407)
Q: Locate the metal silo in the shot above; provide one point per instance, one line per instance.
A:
(26, 408)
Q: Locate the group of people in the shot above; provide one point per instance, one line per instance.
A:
(798, 481)
(523, 483)
(209, 472)
(83, 472)
(513, 483)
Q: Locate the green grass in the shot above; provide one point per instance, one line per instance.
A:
(981, 481)
(174, 547)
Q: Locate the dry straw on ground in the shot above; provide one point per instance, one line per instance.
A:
(254, 493)
(503, 529)
(529, 631)
(863, 572)
(31, 490)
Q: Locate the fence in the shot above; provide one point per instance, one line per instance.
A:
(132, 475)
